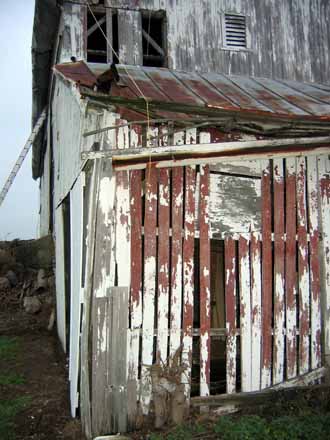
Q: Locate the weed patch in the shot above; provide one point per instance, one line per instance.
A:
(8, 411)
(8, 348)
(11, 379)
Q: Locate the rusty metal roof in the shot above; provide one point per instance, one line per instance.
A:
(235, 94)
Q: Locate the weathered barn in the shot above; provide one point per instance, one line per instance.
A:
(190, 209)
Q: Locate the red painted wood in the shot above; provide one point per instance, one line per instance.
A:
(205, 303)
(279, 273)
(303, 268)
(176, 275)
(136, 248)
(230, 292)
(316, 291)
(188, 270)
(255, 249)
(313, 221)
(163, 262)
(266, 277)
(149, 287)
(290, 270)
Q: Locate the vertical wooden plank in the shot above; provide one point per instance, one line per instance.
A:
(76, 215)
(266, 276)
(136, 292)
(130, 37)
(324, 182)
(163, 262)
(303, 269)
(74, 32)
(279, 275)
(123, 226)
(230, 291)
(101, 405)
(109, 33)
(205, 293)
(60, 276)
(118, 360)
(245, 313)
(256, 311)
(290, 270)
(85, 383)
(313, 221)
(176, 275)
(149, 287)
(101, 410)
(188, 275)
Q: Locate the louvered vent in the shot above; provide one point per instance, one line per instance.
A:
(235, 31)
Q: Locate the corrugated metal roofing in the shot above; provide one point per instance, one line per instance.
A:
(237, 94)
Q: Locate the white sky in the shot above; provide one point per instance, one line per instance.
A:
(19, 211)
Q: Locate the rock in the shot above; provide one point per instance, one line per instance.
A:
(11, 276)
(32, 304)
(42, 281)
(6, 257)
(4, 283)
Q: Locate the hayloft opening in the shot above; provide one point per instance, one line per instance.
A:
(154, 38)
(96, 43)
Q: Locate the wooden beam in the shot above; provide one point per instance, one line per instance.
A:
(187, 154)
(153, 43)
(95, 26)
(256, 397)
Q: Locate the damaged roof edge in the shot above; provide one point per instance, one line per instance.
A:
(45, 25)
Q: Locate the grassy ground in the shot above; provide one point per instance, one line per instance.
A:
(10, 408)
(251, 427)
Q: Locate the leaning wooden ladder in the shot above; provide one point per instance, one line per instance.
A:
(22, 155)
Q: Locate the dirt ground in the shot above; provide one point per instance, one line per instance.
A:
(41, 363)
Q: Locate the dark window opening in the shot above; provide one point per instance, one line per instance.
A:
(98, 50)
(153, 39)
(96, 43)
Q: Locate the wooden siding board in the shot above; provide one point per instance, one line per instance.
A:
(266, 276)
(188, 276)
(230, 302)
(324, 186)
(136, 291)
(313, 221)
(205, 295)
(149, 288)
(117, 358)
(245, 313)
(176, 260)
(100, 344)
(60, 277)
(76, 215)
(130, 37)
(290, 270)
(303, 267)
(256, 310)
(101, 319)
(163, 263)
(279, 274)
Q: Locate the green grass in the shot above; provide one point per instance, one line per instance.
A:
(290, 427)
(11, 379)
(9, 348)
(8, 411)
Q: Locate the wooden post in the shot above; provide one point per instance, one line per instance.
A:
(279, 275)
(266, 277)
(290, 270)
(188, 276)
(230, 292)
(303, 269)
(205, 294)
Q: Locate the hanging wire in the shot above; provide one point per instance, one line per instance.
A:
(128, 74)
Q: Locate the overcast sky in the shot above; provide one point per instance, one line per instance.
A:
(19, 212)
